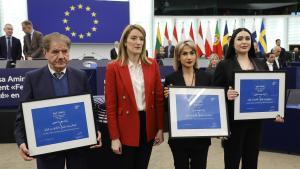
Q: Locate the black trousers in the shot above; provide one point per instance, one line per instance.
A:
(189, 158)
(243, 143)
(138, 157)
(74, 159)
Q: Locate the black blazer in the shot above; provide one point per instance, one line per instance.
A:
(16, 51)
(113, 54)
(224, 77)
(176, 79)
(38, 85)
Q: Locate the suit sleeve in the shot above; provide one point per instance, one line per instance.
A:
(20, 133)
(38, 52)
(111, 100)
(159, 99)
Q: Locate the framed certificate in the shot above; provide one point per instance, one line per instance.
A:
(197, 112)
(261, 95)
(59, 124)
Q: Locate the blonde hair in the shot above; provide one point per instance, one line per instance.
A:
(122, 54)
(213, 56)
(178, 51)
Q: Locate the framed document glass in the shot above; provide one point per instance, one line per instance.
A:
(59, 124)
(197, 112)
(261, 95)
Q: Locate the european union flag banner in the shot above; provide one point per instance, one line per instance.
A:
(84, 21)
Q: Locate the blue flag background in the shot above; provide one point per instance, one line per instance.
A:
(84, 21)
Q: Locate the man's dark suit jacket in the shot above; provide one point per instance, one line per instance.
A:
(176, 79)
(38, 85)
(34, 49)
(171, 51)
(113, 54)
(274, 66)
(16, 49)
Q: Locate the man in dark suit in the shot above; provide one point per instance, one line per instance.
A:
(32, 42)
(169, 50)
(280, 59)
(10, 47)
(54, 80)
(114, 51)
(270, 62)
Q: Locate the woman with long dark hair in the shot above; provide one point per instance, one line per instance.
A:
(244, 140)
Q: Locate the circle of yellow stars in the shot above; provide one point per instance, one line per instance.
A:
(80, 35)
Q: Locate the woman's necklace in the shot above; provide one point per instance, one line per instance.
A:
(192, 81)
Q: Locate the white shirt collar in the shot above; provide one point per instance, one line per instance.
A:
(131, 64)
(53, 71)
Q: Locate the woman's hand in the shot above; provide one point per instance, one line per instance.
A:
(232, 94)
(279, 119)
(99, 140)
(159, 138)
(116, 146)
(166, 91)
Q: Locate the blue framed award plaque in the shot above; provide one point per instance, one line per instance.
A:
(261, 95)
(197, 112)
(59, 124)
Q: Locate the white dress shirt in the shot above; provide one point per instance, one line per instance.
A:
(137, 80)
(270, 66)
(53, 71)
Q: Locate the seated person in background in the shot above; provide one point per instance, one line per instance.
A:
(296, 54)
(161, 54)
(269, 64)
(213, 62)
(114, 51)
(257, 51)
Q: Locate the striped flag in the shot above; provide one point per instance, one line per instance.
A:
(217, 47)
(191, 33)
(182, 38)
(158, 41)
(175, 38)
(208, 42)
(166, 37)
(225, 35)
(262, 43)
(200, 44)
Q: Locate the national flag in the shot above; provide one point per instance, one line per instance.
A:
(183, 37)
(200, 44)
(225, 36)
(262, 43)
(175, 38)
(158, 40)
(217, 47)
(208, 42)
(87, 21)
(191, 33)
(166, 37)
(253, 33)
(234, 26)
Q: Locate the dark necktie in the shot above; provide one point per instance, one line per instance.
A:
(9, 48)
(58, 75)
